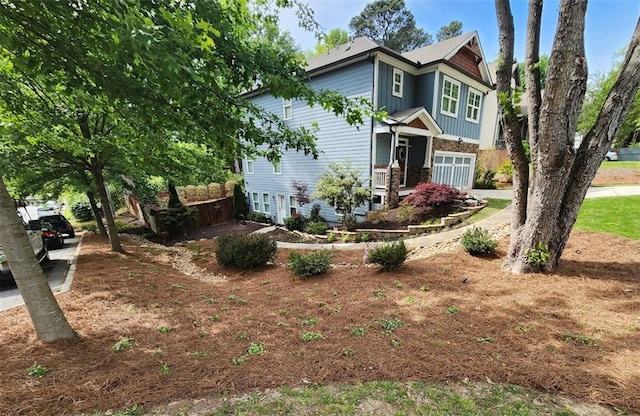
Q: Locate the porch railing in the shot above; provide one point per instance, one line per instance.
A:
(380, 178)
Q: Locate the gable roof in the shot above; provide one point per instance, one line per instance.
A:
(404, 117)
(342, 52)
(439, 51)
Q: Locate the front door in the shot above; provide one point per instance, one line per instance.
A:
(401, 156)
(282, 209)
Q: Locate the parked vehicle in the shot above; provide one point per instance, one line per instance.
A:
(52, 237)
(611, 155)
(34, 232)
(60, 223)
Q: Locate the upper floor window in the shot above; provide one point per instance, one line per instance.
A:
(450, 97)
(398, 81)
(249, 166)
(276, 167)
(473, 106)
(287, 109)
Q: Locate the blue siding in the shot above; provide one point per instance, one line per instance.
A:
(458, 126)
(336, 140)
(386, 99)
(383, 149)
(424, 91)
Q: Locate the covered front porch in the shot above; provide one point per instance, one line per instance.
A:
(402, 155)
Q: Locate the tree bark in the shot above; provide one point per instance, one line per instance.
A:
(47, 317)
(96, 213)
(114, 240)
(561, 176)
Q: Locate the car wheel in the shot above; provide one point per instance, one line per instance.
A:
(72, 234)
(608, 159)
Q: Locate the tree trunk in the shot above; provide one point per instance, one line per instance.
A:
(47, 317)
(96, 214)
(106, 208)
(561, 175)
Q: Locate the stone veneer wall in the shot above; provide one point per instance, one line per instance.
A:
(454, 146)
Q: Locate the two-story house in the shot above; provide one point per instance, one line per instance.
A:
(434, 99)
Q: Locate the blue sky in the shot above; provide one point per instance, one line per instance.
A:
(610, 23)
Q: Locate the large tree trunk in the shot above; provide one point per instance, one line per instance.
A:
(106, 208)
(47, 317)
(96, 214)
(561, 175)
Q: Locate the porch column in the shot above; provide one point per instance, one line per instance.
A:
(394, 186)
(425, 173)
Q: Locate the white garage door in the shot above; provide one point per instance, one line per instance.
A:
(455, 169)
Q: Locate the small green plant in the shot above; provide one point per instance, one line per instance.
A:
(318, 228)
(348, 352)
(390, 325)
(314, 263)
(159, 352)
(203, 333)
(163, 329)
(346, 238)
(579, 339)
(255, 349)
(37, 370)
(123, 344)
(523, 329)
(424, 288)
(357, 331)
(398, 284)
(538, 256)
(199, 354)
(389, 256)
(380, 294)
(331, 237)
(214, 318)
(240, 360)
(452, 310)
(245, 251)
(165, 369)
(130, 308)
(311, 336)
(477, 242)
(409, 299)
(484, 339)
(310, 321)
(364, 237)
(241, 335)
(394, 343)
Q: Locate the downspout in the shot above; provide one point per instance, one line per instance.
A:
(374, 137)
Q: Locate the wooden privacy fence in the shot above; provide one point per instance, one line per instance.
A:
(211, 212)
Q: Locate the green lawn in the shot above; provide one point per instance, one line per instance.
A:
(628, 164)
(493, 206)
(615, 215)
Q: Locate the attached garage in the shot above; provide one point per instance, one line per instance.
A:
(453, 168)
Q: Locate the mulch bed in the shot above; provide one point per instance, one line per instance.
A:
(573, 332)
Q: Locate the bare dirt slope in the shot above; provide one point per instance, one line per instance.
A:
(573, 332)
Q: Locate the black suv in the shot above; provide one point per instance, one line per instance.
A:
(60, 223)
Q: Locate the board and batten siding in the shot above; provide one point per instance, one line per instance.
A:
(336, 141)
(424, 91)
(458, 126)
(386, 99)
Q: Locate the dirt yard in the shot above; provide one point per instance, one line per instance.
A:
(575, 332)
(605, 177)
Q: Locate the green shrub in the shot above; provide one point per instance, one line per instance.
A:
(179, 220)
(296, 222)
(92, 227)
(389, 256)
(314, 263)
(245, 251)
(82, 211)
(314, 215)
(319, 227)
(538, 256)
(477, 241)
(258, 217)
(484, 179)
(331, 237)
(506, 169)
(240, 206)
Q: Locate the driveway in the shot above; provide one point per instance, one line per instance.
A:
(56, 272)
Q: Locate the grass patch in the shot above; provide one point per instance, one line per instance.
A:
(627, 164)
(615, 215)
(493, 206)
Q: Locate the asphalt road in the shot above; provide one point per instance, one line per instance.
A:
(55, 271)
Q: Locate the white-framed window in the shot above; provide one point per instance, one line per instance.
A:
(398, 82)
(256, 201)
(450, 97)
(250, 166)
(293, 205)
(277, 169)
(287, 109)
(266, 206)
(473, 106)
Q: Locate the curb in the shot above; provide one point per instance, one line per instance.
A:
(68, 278)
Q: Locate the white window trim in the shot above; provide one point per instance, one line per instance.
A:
(292, 198)
(394, 83)
(442, 96)
(250, 167)
(264, 205)
(287, 103)
(466, 110)
(279, 165)
(255, 196)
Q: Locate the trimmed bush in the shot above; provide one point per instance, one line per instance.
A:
(202, 193)
(314, 215)
(214, 190)
(314, 263)
(82, 211)
(429, 194)
(191, 193)
(477, 241)
(316, 228)
(389, 256)
(296, 222)
(245, 251)
(228, 188)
